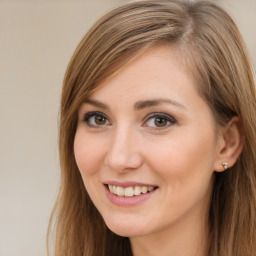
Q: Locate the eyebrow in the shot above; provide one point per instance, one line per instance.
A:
(138, 105)
(154, 102)
(96, 103)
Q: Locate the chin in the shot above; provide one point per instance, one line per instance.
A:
(126, 228)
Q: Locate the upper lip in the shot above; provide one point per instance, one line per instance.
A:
(128, 184)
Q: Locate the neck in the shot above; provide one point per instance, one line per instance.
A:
(186, 237)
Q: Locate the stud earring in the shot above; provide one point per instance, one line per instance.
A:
(225, 165)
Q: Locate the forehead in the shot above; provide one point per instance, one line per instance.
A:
(149, 71)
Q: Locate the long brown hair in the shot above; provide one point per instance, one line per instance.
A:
(211, 47)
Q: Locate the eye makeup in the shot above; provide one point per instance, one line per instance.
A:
(159, 120)
(96, 119)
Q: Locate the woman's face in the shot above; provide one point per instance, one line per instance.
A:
(146, 147)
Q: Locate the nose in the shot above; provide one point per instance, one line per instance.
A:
(123, 152)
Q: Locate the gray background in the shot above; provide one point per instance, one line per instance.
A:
(37, 39)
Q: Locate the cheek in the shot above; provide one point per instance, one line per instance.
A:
(186, 161)
(89, 153)
(185, 176)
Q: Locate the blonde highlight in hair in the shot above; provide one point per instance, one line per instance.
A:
(212, 49)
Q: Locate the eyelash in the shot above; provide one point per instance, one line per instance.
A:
(169, 119)
(89, 115)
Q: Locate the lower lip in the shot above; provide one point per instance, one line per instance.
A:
(128, 201)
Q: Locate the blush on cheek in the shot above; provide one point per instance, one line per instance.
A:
(86, 157)
(85, 162)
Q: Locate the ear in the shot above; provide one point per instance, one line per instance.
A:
(230, 144)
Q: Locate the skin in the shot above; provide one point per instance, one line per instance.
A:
(128, 144)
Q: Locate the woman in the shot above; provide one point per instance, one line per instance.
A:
(157, 136)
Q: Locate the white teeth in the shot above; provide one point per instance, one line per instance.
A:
(119, 191)
(130, 191)
(137, 190)
(144, 189)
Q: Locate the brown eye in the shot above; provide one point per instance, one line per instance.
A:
(160, 122)
(100, 120)
(96, 119)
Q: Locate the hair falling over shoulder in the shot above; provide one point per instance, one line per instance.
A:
(213, 50)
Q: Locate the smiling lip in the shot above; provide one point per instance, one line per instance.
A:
(128, 184)
(143, 192)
